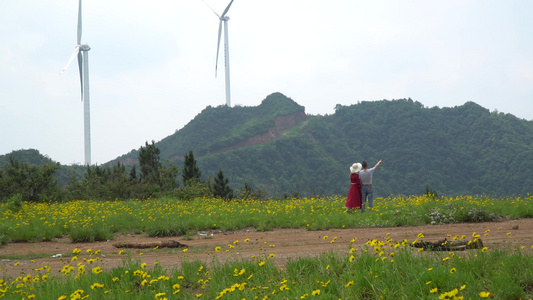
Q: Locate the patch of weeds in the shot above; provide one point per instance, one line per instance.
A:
(475, 215)
(438, 218)
(4, 236)
(188, 236)
(431, 193)
(125, 252)
(14, 203)
(528, 286)
(26, 256)
(436, 233)
(3, 239)
(526, 213)
(157, 250)
(166, 229)
(93, 234)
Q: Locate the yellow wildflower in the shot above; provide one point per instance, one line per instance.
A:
(349, 283)
(484, 294)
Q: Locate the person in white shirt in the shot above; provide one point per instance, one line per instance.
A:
(365, 175)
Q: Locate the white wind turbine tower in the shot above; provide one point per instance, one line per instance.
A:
(82, 51)
(224, 18)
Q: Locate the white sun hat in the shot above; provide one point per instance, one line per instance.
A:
(355, 168)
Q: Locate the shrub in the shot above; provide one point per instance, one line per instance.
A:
(194, 189)
(4, 236)
(14, 203)
(165, 229)
(475, 215)
(90, 234)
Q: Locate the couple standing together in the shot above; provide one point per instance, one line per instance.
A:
(361, 187)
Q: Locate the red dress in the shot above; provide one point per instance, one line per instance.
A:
(354, 194)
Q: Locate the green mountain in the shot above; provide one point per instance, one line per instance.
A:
(223, 128)
(278, 148)
(30, 156)
(34, 157)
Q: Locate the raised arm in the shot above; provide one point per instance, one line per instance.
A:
(377, 165)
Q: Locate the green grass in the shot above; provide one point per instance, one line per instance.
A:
(377, 270)
(86, 221)
(27, 256)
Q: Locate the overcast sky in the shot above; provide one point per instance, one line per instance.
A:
(152, 63)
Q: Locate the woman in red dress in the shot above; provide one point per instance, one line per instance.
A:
(354, 194)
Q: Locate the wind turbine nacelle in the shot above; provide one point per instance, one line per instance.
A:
(226, 18)
(85, 47)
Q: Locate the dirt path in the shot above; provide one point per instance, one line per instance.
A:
(17, 259)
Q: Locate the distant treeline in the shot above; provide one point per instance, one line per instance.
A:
(22, 181)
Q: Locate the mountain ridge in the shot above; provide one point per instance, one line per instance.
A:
(278, 148)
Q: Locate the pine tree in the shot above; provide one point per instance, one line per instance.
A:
(190, 169)
(168, 177)
(133, 174)
(221, 188)
(149, 161)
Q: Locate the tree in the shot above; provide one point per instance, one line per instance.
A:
(118, 185)
(149, 162)
(133, 174)
(94, 180)
(247, 192)
(168, 177)
(221, 188)
(33, 182)
(190, 169)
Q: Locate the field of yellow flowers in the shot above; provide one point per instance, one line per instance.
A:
(364, 267)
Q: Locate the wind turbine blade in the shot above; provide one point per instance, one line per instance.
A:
(218, 45)
(80, 63)
(210, 8)
(225, 11)
(76, 51)
(79, 24)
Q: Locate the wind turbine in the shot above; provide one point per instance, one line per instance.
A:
(82, 51)
(223, 18)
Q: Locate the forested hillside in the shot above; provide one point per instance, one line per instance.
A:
(34, 157)
(460, 150)
(276, 147)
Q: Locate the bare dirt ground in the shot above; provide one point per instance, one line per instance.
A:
(18, 259)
